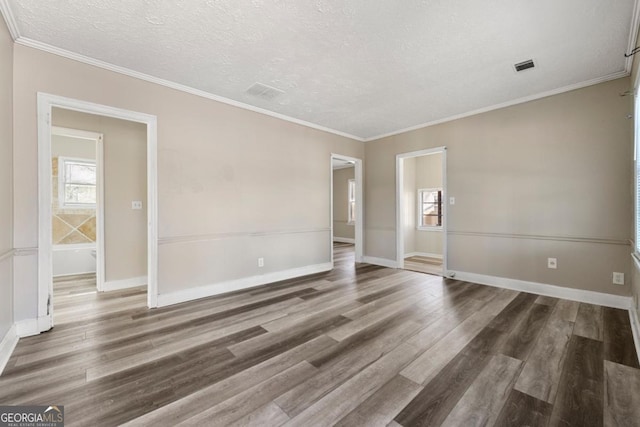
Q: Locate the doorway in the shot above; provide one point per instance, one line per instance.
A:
(77, 211)
(346, 209)
(421, 209)
(80, 191)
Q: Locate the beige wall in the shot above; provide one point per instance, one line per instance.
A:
(125, 180)
(341, 227)
(6, 186)
(229, 180)
(548, 178)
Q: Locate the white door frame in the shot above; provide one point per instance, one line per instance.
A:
(97, 138)
(46, 103)
(359, 204)
(400, 206)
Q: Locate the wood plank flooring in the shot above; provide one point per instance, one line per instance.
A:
(423, 264)
(358, 346)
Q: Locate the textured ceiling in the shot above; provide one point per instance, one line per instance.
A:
(362, 67)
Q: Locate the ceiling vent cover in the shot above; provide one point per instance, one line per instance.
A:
(260, 90)
(524, 65)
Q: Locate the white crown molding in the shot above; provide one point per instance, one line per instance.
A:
(633, 35)
(529, 98)
(12, 25)
(24, 41)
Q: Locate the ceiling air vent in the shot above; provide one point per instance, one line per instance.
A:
(260, 90)
(524, 65)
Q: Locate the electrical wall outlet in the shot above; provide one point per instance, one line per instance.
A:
(618, 278)
(552, 263)
(260, 262)
(136, 204)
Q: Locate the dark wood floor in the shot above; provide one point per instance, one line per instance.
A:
(359, 346)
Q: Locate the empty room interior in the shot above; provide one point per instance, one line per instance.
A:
(274, 213)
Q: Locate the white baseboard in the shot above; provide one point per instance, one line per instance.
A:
(116, 285)
(235, 285)
(29, 327)
(634, 318)
(344, 240)
(423, 254)
(380, 261)
(580, 295)
(7, 345)
(74, 274)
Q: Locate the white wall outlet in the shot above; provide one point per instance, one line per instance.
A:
(552, 263)
(260, 262)
(618, 278)
(136, 204)
(452, 200)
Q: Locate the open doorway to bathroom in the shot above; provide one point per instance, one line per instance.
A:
(98, 214)
(422, 225)
(76, 210)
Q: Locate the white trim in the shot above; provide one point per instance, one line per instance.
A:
(46, 102)
(580, 295)
(7, 345)
(25, 251)
(235, 234)
(423, 254)
(344, 240)
(6, 255)
(359, 224)
(400, 207)
(116, 285)
(557, 238)
(24, 41)
(191, 294)
(523, 100)
(10, 19)
(29, 327)
(75, 133)
(383, 262)
(74, 247)
(82, 273)
(635, 329)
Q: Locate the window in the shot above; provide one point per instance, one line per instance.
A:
(351, 202)
(76, 183)
(430, 208)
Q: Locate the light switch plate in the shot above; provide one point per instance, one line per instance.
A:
(136, 204)
(452, 200)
